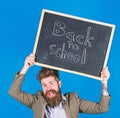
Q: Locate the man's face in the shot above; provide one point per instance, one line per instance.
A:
(51, 90)
(50, 83)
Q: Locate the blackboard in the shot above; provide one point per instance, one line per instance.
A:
(73, 44)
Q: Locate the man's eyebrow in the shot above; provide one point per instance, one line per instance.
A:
(43, 83)
(48, 82)
(51, 81)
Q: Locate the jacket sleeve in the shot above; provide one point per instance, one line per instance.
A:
(15, 91)
(86, 106)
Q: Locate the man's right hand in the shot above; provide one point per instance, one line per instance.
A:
(29, 61)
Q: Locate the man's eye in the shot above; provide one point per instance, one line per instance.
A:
(51, 83)
(44, 85)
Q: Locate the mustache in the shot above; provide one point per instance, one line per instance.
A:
(51, 90)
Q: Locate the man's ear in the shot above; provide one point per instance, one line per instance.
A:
(60, 84)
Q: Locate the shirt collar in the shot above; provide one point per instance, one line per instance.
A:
(63, 97)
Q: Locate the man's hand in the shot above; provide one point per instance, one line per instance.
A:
(105, 74)
(29, 61)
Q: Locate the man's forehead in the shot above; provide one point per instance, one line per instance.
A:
(47, 79)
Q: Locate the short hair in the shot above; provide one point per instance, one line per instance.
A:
(46, 72)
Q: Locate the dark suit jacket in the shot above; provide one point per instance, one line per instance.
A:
(73, 105)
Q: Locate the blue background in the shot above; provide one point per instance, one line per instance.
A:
(19, 21)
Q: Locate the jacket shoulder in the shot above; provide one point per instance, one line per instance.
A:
(71, 95)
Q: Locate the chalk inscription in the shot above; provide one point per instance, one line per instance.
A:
(69, 50)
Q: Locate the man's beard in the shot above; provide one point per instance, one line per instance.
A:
(55, 100)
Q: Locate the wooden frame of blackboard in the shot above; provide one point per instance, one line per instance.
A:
(111, 28)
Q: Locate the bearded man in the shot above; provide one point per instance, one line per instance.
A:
(51, 102)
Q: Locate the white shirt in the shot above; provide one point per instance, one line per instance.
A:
(56, 112)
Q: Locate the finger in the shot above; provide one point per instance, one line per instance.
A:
(32, 55)
(29, 61)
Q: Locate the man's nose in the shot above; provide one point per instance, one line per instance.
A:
(48, 88)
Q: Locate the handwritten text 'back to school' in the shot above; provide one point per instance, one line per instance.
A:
(71, 50)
